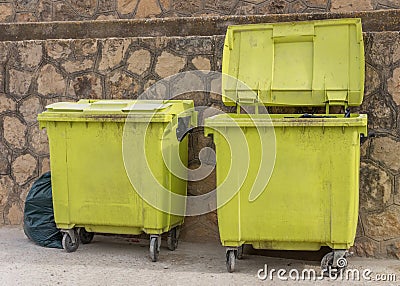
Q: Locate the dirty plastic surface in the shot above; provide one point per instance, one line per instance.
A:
(308, 63)
(91, 187)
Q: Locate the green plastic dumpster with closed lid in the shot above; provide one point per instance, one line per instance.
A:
(111, 166)
(290, 181)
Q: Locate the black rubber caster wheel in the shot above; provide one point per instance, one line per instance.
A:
(327, 264)
(85, 236)
(172, 239)
(154, 249)
(69, 244)
(230, 260)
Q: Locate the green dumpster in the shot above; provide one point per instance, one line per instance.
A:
(91, 183)
(290, 181)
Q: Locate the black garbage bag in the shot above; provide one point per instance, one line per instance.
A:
(39, 225)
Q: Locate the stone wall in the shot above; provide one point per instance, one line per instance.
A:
(36, 73)
(379, 227)
(73, 10)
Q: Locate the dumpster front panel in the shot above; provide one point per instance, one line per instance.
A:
(97, 188)
(311, 199)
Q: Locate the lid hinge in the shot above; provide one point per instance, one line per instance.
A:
(247, 97)
(336, 98)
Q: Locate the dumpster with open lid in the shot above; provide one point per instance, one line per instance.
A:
(100, 153)
(294, 184)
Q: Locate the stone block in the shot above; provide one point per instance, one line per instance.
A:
(44, 10)
(5, 157)
(372, 80)
(394, 86)
(396, 50)
(383, 225)
(6, 12)
(397, 190)
(29, 54)
(113, 52)
(273, 7)
(23, 168)
(125, 7)
(38, 140)
(14, 132)
(4, 52)
(166, 4)
(139, 61)
(85, 8)
(26, 5)
(223, 7)
(169, 64)
(148, 8)
(106, 6)
(388, 4)
(6, 187)
(201, 63)
(25, 17)
(15, 215)
(107, 17)
(387, 151)
(30, 108)
(120, 85)
(192, 46)
(6, 103)
(44, 166)
(50, 81)
(155, 90)
(24, 190)
(186, 7)
(78, 65)
(19, 82)
(61, 10)
(381, 114)
(375, 188)
(84, 47)
(58, 49)
(316, 3)
(85, 86)
(381, 51)
(351, 5)
(392, 248)
(364, 246)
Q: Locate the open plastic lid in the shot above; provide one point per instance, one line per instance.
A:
(312, 63)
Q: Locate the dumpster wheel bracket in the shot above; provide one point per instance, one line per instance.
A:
(70, 240)
(336, 259)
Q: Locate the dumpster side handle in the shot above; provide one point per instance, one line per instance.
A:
(364, 138)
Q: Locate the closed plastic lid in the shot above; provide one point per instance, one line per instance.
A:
(93, 110)
(312, 63)
(106, 106)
